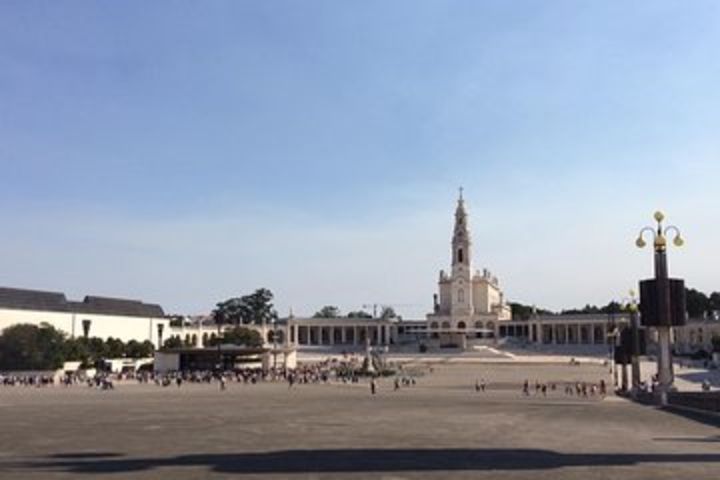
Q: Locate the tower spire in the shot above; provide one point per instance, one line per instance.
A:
(461, 235)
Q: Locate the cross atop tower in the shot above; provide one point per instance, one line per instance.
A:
(461, 192)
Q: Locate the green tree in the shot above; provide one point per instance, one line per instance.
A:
(359, 314)
(97, 348)
(135, 349)
(77, 350)
(242, 336)
(520, 311)
(328, 311)
(524, 312)
(114, 348)
(613, 307)
(387, 312)
(253, 309)
(585, 310)
(697, 303)
(258, 308)
(31, 347)
(173, 342)
(229, 312)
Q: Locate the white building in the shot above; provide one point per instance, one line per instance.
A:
(470, 304)
(92, 317)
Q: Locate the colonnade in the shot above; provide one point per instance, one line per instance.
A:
(570, 333)
(340, 334)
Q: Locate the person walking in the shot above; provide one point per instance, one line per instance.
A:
(373, 386)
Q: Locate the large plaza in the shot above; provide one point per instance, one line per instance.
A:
(439, 428)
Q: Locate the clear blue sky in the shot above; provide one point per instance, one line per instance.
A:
(183, 152)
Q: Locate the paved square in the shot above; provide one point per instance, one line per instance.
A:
(440, 428)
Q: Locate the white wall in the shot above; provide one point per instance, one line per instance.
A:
(123, 327)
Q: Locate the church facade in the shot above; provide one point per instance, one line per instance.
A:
(469, 304)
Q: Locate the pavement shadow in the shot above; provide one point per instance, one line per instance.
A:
(707, 418)
(712, 439)
(362, 460)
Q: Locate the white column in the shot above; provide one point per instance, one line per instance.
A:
(332, 335)
(343, 337)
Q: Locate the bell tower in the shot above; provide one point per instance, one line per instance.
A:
(461, 302)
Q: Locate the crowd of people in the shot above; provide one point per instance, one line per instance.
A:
(27, 380)
(345, 370)
(578, 389)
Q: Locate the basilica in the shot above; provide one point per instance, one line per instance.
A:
(469, 304)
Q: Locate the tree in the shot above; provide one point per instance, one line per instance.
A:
(253, 309)
(258, 307)
(31, 347)
(97, 348)
(173, 342)
(242, 336)
(387, 312)
(613, 307)
(714, 301)
(77, 350)
(359, 314)
(328, 311)
(524, 312)
(135, 349)
(520, 311)
(697, 303)
(114, 348)
(229, 312)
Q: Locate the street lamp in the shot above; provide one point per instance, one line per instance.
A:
(657, 297)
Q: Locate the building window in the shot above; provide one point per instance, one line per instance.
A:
(461, 325)
(461, 296)
(460, 255)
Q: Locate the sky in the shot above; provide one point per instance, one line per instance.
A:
(186, 152)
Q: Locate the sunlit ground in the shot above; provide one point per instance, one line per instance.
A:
(441, 428)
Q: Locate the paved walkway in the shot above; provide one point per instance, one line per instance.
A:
(441, 428)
